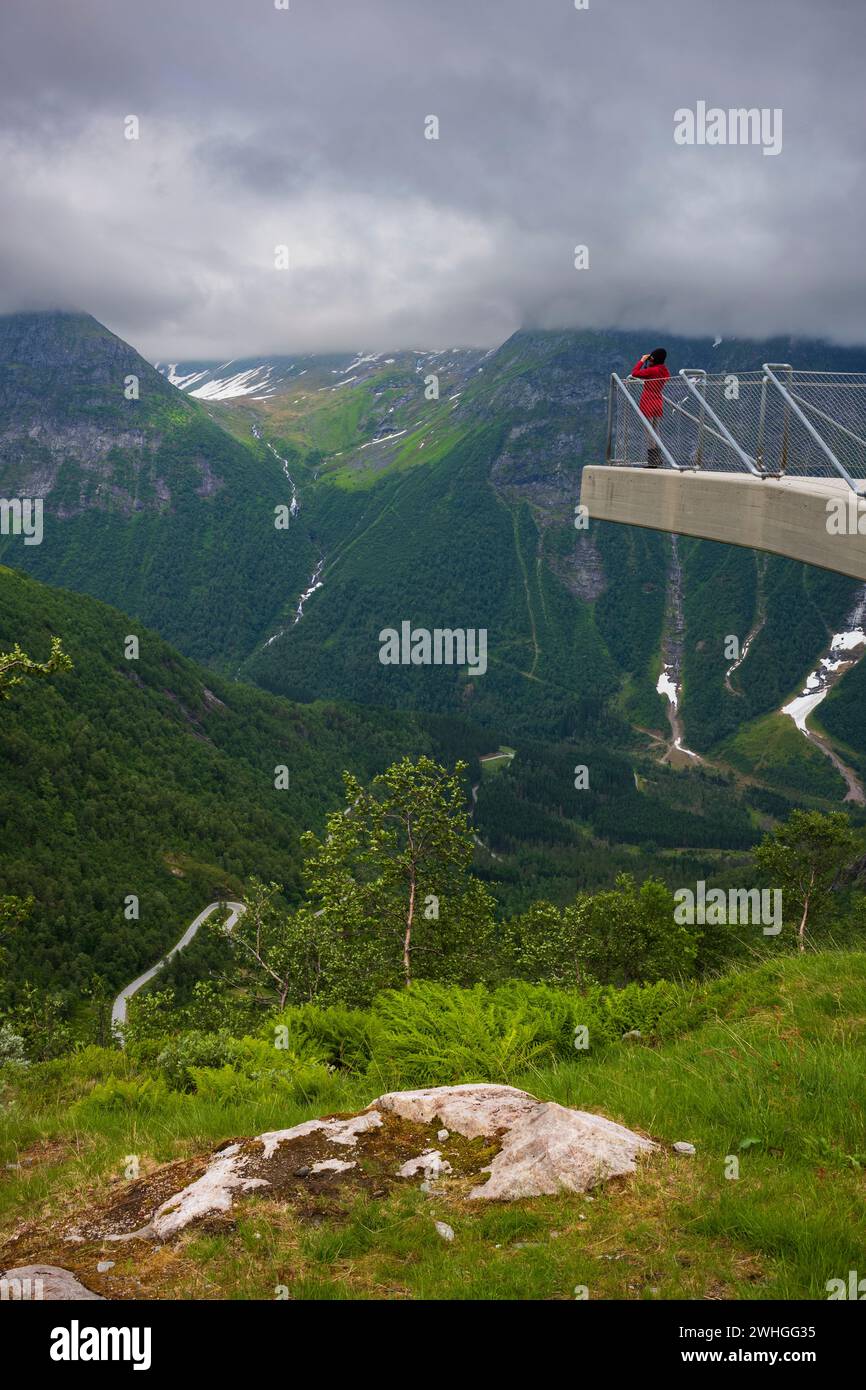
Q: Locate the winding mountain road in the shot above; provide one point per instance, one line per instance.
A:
(118, 1008)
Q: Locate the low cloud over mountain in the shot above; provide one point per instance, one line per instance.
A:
(305, 127)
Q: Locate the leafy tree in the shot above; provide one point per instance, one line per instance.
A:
(211, 1008)
(147, 1015)
(541, 946)
(101, 997)
(392, 876)
(630, 934)
(804, 858)
(12, 1053)
(13, 913)
(289, 957)
(40, 1020)
(16, 666)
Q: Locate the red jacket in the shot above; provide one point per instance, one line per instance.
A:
(651, 396)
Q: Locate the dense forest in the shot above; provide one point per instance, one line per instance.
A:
(152, 778)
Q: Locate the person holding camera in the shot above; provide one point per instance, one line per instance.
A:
(651, 370)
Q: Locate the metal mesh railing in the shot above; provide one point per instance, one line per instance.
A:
(779, 422)
(827, 415)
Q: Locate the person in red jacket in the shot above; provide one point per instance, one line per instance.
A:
(651, 370)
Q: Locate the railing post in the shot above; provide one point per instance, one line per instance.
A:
(762, 420)
(609, 444)
(625, 423)
(786, 424)
(699, 452)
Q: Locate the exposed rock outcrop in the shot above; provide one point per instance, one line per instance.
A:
(502, 1141)
(44, 1284)
(476, 1142)
(545, 1147)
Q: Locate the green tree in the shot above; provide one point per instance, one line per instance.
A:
(40, 1020)
(14, 912)
(16, 666)
(540, 945)
(287, 957)
(804, 858)
(629, 934)
(391, 876)
(101, 998)
(12, 1052)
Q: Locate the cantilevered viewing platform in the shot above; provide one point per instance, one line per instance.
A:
(787, 516)
(772, 460)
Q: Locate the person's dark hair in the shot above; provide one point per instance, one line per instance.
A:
(658, 355)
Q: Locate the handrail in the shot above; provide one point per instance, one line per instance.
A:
(837, 424)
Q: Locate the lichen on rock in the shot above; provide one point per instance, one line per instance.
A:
(545, 1147)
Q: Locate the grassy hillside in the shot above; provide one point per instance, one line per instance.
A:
(763, 1067)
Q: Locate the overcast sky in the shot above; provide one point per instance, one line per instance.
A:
(262, 127)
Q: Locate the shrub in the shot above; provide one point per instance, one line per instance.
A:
(118, 1094)
(183, 1053)
(11, 1048)
(658, 1010)
(437, 1034)
(303, 1081)
(223, 1085)
(228, 1070)
(338, 1035)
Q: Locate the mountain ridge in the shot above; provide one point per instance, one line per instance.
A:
(148, 503)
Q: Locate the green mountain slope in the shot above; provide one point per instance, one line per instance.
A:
(154, 778)
(442, 549)
(727, 592)
(450, 512)
(148, 504)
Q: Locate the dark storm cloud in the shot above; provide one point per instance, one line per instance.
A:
(262, 127)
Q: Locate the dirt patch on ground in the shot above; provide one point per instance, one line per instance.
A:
(128, 1207)
(41, 1154)
(131, 1206)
